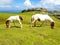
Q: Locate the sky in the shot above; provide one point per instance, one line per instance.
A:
(18, 5)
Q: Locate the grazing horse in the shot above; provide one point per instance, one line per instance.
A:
(42, 18)
(12, 18)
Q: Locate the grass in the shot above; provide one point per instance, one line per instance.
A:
(28, 35)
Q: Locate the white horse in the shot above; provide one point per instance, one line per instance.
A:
(42, 18)
(12, 18)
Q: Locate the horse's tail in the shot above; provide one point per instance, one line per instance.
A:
(20, 18)
(32, 19)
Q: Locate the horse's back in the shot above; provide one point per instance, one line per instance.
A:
(42, 17)
(13, 17)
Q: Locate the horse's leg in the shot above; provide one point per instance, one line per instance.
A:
(14, 23)
(34, 23)
(46, 22)
(20, 23)
(9, 25)
(42, 23)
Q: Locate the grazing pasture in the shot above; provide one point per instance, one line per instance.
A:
(28, 35)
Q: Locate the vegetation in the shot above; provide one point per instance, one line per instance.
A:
(28, 35)
(35, 9)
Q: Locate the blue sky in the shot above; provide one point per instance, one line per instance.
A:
(17, 5)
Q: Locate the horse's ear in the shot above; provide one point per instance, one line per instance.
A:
(52, 25)
(20, 18)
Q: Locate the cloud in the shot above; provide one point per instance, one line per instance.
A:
(28, 3)
(49, 4)
(9, 7)
(5, 2)
(5, 6)
(53, 2)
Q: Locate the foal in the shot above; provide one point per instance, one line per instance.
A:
(42, 18)
(12, 18)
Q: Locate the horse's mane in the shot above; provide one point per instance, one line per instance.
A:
(20, 18)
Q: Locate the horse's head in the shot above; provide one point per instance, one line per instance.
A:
(20, 18)
(7, 23)
(52, 25)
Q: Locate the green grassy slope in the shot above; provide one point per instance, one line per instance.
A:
(28, 35)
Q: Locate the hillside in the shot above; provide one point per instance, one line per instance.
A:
(28, 35)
